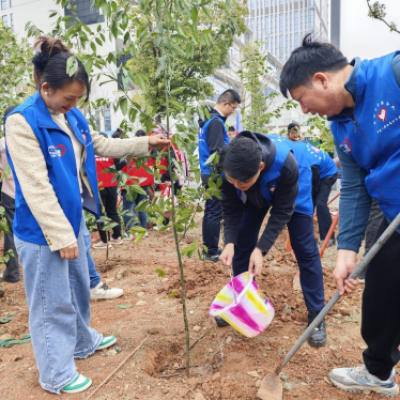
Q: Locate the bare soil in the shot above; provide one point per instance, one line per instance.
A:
(154, 372)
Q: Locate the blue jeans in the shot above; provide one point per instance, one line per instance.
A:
(95, 278)
(131, 218)
(58, 298)
(304, 245)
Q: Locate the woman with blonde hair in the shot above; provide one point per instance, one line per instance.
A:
(51, 152)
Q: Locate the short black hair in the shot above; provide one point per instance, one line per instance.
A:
(241, 159)
(117, 134)
(50, 64)
(232, 128)
(140, 133)
(230, 95)
(8, 110)
(292, 125)
(308, 59)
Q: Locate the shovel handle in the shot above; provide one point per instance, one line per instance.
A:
(335, 298)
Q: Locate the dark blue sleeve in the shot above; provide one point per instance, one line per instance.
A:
(396, 68)
(354, 204)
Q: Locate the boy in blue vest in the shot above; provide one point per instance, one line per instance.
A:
(264, 174)
(362, 100)
(213, 137)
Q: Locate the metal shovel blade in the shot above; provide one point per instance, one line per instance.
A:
(271, 388)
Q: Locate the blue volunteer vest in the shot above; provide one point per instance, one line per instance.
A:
(59, 155)
(316, 156)
(204, 151)
(372, 139)
(304, 204)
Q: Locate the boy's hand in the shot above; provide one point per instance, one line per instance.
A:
(256, 262)
(157, 141)
(345, 265)
(226, 256)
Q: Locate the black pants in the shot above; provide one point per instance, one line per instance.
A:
(304, 245)
(109, 197)
(11, 273)
(212, 225)
(380, 326)
(375, 220)
(321, 200)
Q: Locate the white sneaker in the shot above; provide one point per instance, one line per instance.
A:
(103, 292)
(101, 245)
(128, 236)
(116, 241)
(359, 379)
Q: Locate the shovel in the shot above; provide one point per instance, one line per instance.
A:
(271, 386)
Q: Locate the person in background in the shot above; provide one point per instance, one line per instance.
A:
(144, 179)
(51, 151)
(213, 137)
(109, 198)
(325, 173)
(293, 132)
(11, 273)
(231, 132)
(362, 101)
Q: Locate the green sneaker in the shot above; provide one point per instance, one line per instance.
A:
(78, 385)
(108, 341)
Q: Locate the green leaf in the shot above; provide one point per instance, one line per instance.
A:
(194, 13)
(178, 90)
(72, 65)
(138, 229)
(172, 294)
(160, 273)
(124, 105)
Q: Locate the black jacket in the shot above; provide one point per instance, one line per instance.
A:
(284, 197)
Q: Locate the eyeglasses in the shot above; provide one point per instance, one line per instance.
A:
(233, 108)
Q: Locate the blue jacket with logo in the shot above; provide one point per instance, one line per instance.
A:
(372, 137)
(59, 155)
(304, 204)
(204, 151)
(316, 156)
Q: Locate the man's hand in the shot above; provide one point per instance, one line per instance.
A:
(226, 256)
(256, 262)
(345, 265)
(70, 252)
(157, 141)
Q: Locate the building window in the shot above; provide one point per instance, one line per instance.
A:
(3, 4)
(11, 3)
(280, 1)
(253, 4)
(5, 19)
(276, 46)
(296, 40)
(267, 43)
(266, 25)
(286, 22)
(301, 20)
(85, 12)
(266, 3)
(107, 118)
(291, 43)
(296, 21)
(280, 45)
(97, 118)
(276, 24)
(280, 23)
(12, 21)
(310, 3)
(290, 17)
(253, 24)
(287, 44)
(310, 19)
